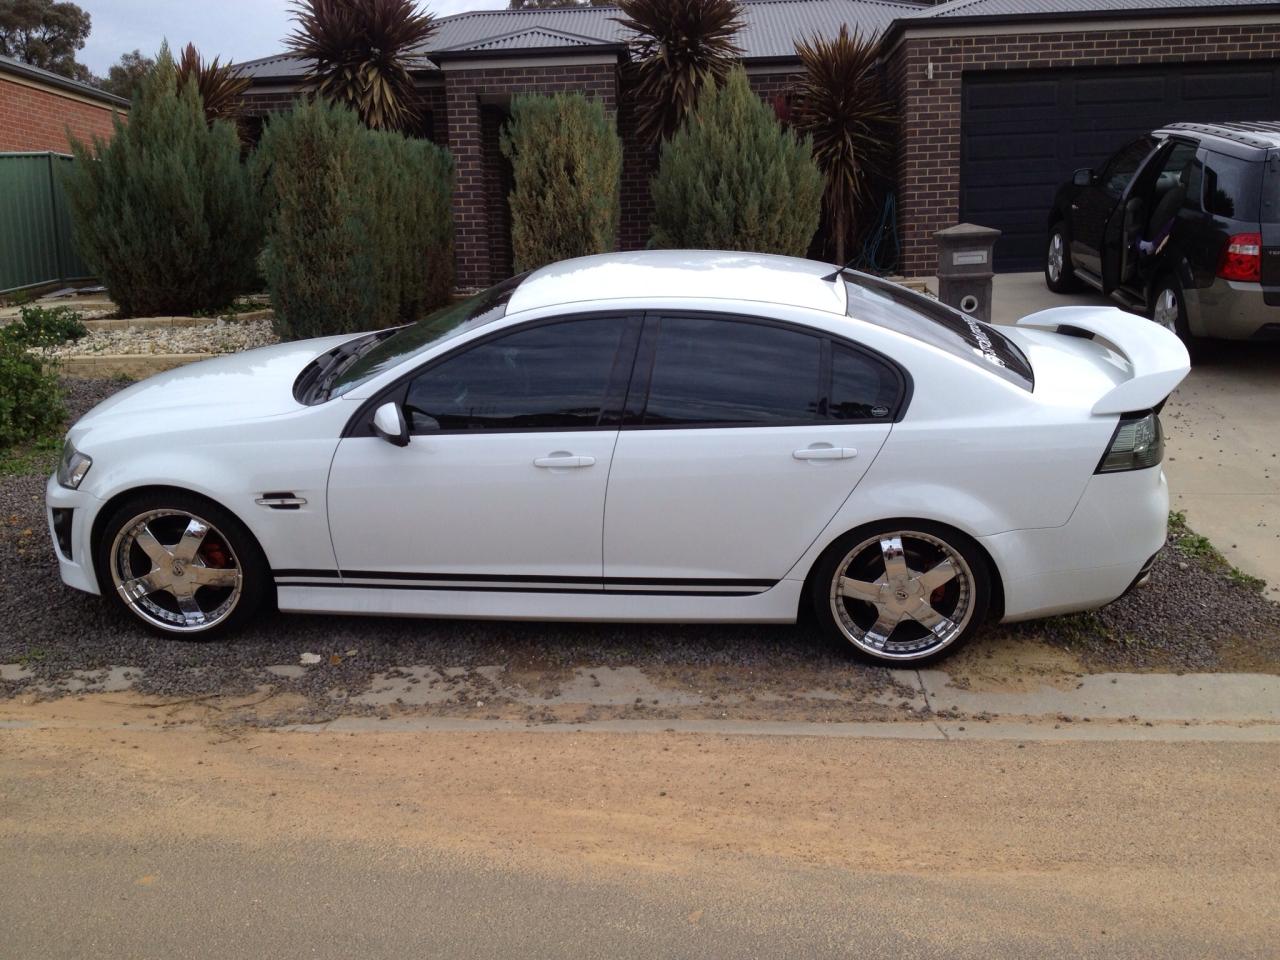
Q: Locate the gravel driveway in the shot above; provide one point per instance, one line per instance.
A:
(1193, 617)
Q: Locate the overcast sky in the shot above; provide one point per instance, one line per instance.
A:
(230, 29)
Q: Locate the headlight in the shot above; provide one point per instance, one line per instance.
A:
(73, 466)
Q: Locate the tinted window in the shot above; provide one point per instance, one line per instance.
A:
(1231, 186)
(1271, 190)
(1121, 168)
(732, 372)
(915, 315)
(862, 388)
(549, 377)
(447, 322)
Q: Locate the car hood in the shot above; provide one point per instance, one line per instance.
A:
(238, 387)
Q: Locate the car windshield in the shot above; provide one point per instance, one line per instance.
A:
(916, 315)
(415, 338)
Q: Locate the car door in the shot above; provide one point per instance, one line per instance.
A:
(1150, 210)
(742, 438)
(1094, 204)
(502, 483)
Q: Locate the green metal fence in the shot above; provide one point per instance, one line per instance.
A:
(35, 224)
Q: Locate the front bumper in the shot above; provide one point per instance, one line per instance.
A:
(76, 568)
(1232, 310)
(1096, 557)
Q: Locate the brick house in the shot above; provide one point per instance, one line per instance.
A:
(1000, 99)
(37, 108)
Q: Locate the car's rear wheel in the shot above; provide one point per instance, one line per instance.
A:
(1059, 275)
(1169, 309)
(908, 591)
(184, 566)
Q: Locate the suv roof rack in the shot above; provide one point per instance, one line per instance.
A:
(1263, 134)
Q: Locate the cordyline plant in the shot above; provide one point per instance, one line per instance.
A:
(840, 104)
(219, 84)
(680, 47)
(361, 53)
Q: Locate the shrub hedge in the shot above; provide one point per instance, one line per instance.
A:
(163, 211)
(566, 161)
(732, 178)
(358, 227)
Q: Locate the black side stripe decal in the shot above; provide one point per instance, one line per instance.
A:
(598, 591)
(519, 578)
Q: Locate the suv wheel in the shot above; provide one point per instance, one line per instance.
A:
(1169, 309)
(1059, 276)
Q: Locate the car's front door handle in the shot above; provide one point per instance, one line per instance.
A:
(562, 460)
(825, 452)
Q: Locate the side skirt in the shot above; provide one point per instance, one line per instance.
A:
(777, 604)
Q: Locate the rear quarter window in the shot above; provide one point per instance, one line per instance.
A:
(923, 318)
(1232, 187)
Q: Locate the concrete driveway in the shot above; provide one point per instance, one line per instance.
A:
(1223, 436)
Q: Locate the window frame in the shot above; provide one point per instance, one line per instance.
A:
(637, 399)
(1105, 176)
(360, 424)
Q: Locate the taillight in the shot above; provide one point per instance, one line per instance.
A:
(1138, 443)
(1242, 260)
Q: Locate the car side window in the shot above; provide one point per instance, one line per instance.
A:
(732, 372)
(1121, 167)
(551, 376)
(862, 387)
(1232, 186)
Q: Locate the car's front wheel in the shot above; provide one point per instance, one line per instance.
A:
(181, 564)
(899, 592)
(1059, 275)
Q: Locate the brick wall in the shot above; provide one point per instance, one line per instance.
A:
(465, 91)
(929, 150)
(37, 119)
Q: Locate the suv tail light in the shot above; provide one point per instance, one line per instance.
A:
(1242, 260)
(1138, 443)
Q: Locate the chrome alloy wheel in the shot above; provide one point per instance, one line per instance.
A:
(1165, 311)
(1056, 257)
(176, 571)
(902, 595)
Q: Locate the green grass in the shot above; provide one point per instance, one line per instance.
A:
(1195, 546)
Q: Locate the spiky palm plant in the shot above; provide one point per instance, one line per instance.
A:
(840, 103)
(361, 52)
(219, 84)
(679, 46)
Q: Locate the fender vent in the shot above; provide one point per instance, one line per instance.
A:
(281, 500)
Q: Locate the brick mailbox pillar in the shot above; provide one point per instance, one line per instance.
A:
(964, 268)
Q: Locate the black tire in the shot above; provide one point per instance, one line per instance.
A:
(963, 601)
(1065, 280)
(1169, 309)
(142, 525)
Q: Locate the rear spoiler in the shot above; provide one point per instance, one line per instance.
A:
(1157, 359)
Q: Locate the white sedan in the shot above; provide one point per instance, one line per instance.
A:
(661, 436)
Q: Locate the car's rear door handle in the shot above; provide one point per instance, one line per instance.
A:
(561, 460)
(825, 452)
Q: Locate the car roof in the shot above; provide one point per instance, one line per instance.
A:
(682, 274)
(1242, 139)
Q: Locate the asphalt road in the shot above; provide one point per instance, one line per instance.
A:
(202, 841)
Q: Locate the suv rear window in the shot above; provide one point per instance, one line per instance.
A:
(916, 315)
(1271, 189)
(1232, 187)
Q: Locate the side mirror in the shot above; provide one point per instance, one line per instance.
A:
(390, 425)
(1082, 177)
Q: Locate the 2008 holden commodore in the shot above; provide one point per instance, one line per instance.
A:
(659, 436)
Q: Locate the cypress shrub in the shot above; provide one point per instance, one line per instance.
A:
(163, 211)
(566, 161)
(359, 234)
(733, 179)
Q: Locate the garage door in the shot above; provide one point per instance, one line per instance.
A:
(1024, 132)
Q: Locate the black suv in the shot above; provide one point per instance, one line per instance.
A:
(1183, 225)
